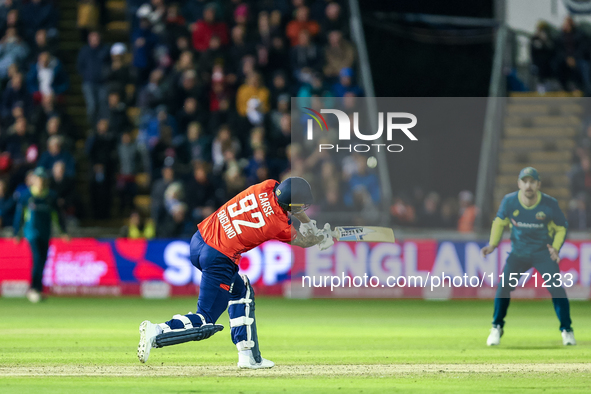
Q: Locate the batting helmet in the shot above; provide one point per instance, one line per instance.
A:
(294, 194)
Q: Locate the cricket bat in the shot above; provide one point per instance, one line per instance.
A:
(363, 234)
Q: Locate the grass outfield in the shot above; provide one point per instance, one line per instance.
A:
(89, 346)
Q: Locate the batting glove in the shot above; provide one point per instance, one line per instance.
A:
(309, 228)
(328, 241)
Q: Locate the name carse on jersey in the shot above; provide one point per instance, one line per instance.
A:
(247, 220)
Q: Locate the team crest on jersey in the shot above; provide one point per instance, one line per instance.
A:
(540, 215)
(516, 212)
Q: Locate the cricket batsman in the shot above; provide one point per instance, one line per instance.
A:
(258, 214)
(538, 230)
(37, 209)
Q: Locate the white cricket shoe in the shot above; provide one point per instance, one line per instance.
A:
(568, 338)
(246, 360)
(33, 296)
(148, 332)
(494, 338)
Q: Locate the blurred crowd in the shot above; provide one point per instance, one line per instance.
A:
(579, 214)
(430, 210)
(34, 129)
(561, 60)
(562, 56)
(198, 99)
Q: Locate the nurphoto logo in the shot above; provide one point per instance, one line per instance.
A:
(344, 130)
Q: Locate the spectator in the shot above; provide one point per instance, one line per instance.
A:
(202, 193)
(175, 25)
(55, 153)
(220, 98)
(192, 11)
(257, 161)
(157, 195)
(42, 44)
(468, 212)
(580, 177)
(429, 215)
(188, 87)
(339, 54)
(362, 178)
(198, 144)
(281, 138)
(118, 120)
(119, 74)
(101, 151)
(189, 113)
(53, 127)
(176, 224)
(252, 99)
(449, 213)
(39, 14)
(578, 215)
(88, 17)
(543, 51)
(278, 87)
(129, 164)
(332, 199)
(233, 178)
(144, 41)
(12, 20)
(264, 31)
(222, 142)
(212, 56)
(139, 227)
(7, 205)
(64, 187)
(14, 94)
(160, 131)
(20, 151)
(305, 58)
(315, 88)
(402, 212)
(155, 12)
(278, 55)
(152, 95)
(48, 108)
(345, 85)
(12, 51)
(334, 19)
(5, 7)
(47, 78)
(92, 66)
(208, 27)
(301, 23)
(573, 66)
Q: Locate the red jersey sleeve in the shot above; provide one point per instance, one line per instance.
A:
(287, 235)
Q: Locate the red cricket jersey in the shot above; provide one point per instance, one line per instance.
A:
(246, 221)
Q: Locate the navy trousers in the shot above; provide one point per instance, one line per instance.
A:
(39, 247)
(542, 262)
(220, 283)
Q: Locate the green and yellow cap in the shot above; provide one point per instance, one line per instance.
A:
(529, 171)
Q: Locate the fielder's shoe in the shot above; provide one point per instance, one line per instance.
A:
(568, 338)
(494, 338)
(148, 332)
(33, 296)
(246, 360)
